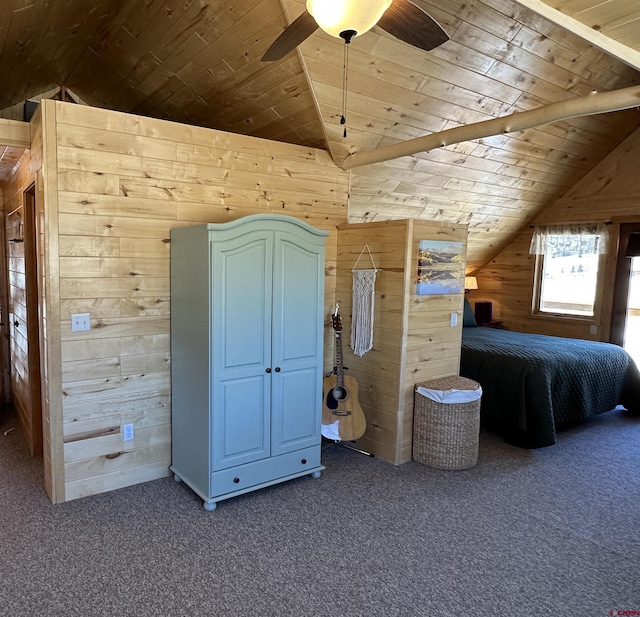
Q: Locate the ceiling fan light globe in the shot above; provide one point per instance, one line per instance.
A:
(336, 16)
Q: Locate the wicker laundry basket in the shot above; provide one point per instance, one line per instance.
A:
(445, 430)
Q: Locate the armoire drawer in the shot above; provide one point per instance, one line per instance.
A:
(264, 471)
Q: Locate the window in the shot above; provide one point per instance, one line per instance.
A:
(567, 267)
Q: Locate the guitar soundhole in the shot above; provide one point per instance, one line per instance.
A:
(339, 393)
(331, 401)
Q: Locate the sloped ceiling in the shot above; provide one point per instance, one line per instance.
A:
(619, 20)
(198, 62)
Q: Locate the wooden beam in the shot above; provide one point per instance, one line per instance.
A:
(595, 103)
(610, 46)
(15, 133)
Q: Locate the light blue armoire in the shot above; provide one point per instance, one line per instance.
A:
(247, 304)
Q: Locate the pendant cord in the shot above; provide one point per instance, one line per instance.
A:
(345, 71)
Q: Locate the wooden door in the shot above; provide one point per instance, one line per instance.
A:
(628, 247)
(23, 320)
(32, 320)
(5, 383)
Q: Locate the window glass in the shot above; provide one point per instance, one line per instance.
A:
(569, 274)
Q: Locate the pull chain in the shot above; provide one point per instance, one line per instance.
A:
(345, 71)
(347, 35)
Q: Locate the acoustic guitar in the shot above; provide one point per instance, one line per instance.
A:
(342, 416)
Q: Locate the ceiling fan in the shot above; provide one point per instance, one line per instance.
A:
(347, 19)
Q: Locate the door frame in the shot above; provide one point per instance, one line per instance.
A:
(621, 284)
(5, 377)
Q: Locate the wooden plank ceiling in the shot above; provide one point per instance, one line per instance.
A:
(198, 62)
(616, 19)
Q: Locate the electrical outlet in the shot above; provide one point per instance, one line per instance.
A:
(127, 430)
(80, 322)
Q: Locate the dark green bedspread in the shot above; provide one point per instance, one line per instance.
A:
(533, 383)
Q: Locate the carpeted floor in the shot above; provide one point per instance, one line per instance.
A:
(527, 533)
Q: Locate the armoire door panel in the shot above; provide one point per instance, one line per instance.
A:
(242, 317)
(295, 304)
(296, 416)
(241, 425)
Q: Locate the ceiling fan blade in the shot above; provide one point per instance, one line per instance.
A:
(411, 24)
(297, 31)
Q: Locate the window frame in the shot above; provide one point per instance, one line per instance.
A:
(568, 317)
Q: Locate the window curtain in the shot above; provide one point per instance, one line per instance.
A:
(592, 238)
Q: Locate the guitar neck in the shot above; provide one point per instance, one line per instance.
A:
(339, 367)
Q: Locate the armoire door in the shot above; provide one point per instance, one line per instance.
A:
(241, 348)
(297, 340)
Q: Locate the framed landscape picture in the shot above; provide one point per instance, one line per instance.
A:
(440, 267)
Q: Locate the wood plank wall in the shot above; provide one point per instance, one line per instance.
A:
(122, 183)
(609, 193)
(110, 189)
(378, 371)
(15, 133)
(432, 345)
(413, 340)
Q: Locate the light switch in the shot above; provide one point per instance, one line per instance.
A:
(80, 322)
(454, 320)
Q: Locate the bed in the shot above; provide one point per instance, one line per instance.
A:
(533, 384)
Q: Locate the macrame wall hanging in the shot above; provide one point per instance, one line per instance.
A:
(363, 304)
